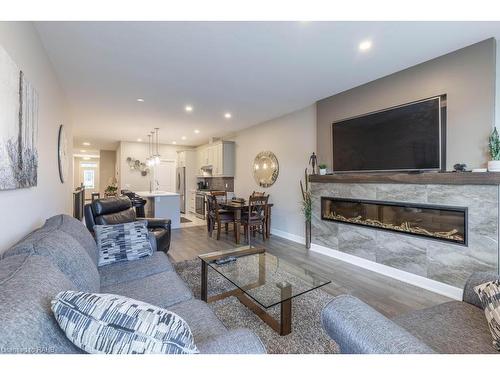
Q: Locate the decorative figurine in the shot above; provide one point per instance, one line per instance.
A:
(313, 160)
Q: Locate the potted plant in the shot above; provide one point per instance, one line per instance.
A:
(494, 149)
(306, 208)
(111, 190)
(322, 169)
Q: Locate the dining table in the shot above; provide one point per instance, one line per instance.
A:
(238, 208)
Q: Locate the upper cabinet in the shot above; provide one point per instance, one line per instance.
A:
(220, 156)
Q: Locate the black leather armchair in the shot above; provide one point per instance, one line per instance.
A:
(118, 210)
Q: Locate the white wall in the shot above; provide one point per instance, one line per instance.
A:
(132, 179)
(107, 169)
(292, 138)
(26, 209)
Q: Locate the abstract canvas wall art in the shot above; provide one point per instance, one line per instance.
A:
(18, 127)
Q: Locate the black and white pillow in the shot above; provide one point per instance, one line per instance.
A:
(489, 294)
(120, 242)
(111, 324)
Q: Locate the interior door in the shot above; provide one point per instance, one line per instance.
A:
(165, 175)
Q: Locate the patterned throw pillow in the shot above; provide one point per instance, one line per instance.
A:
(489, 294)
(111, 324)
(120, 242)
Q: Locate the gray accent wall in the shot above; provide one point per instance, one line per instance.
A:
(466, 76)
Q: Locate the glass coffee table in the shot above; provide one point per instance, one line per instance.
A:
(262, 281)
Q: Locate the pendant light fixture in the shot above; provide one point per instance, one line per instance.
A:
(157, 154)
(148, 159)
(153, 148)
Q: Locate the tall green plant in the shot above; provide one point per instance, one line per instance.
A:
(306, 198)
(494, 145)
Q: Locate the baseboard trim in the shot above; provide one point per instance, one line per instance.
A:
(288, 236)
(410, 278)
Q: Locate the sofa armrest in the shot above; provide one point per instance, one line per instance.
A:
(238, 341)
(153, 222)
(477, 278)
(358, 328)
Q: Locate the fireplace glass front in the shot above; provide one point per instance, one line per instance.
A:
(432, 221)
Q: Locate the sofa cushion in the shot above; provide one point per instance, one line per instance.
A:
(128, 271)
(28, 282)
(122, 242)
(452, 327)
(63, 251)
(111, 324)
(162, 290)
(489, 294)
(237, 341)
(77, 230)
(201, 319)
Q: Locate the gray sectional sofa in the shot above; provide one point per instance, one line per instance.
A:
(62, 255)
(449, 328)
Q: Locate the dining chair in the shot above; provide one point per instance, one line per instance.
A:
(258, 193)
(219, 194)
(255, 217)
(268, 211)
(217, 217)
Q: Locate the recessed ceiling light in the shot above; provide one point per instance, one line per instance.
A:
(86, 158)
(83, 151)
(139, 139)
(365, 45)
(188, 108)
(196, 131)
(183, 137)
(140, 100)
(227, 115)
(86, 143)
(174, 142)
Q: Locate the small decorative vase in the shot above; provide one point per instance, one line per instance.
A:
(308, 235)
(494, 166)
(322, 172)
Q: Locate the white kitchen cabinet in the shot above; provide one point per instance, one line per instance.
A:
(220, 155)
(192, 202)
(181, 159)
(223, 159)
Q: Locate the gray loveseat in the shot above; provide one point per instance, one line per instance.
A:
(451, 327)
(62, 255)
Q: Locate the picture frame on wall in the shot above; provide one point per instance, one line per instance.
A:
(62, 153)
(18, 127)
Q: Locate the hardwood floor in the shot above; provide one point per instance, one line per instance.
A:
(389, 296)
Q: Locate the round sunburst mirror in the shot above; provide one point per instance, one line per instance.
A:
(265, 169)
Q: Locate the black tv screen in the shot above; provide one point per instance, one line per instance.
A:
(407, 137)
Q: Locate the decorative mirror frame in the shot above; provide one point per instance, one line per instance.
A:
(62, 153)
(268, 155)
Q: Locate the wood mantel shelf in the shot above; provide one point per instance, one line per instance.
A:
(440, 178)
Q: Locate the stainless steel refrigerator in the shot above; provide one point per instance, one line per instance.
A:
(180, 187)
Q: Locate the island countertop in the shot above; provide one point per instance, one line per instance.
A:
(147, 194)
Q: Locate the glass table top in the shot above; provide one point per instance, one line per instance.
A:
(266, 278)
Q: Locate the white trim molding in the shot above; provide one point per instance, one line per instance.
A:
(288, 236)
(410, 278)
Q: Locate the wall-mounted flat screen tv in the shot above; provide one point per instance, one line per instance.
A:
(404, 138)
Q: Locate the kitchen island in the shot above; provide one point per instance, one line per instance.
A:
(162, 204)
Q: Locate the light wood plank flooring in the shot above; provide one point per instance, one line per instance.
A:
(389, 296)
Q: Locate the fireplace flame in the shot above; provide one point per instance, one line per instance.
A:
(403, 227)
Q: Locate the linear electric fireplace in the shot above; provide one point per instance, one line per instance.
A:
(431, 221)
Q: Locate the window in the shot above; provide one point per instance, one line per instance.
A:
(88, 178)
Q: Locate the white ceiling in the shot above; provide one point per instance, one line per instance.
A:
(255, 70)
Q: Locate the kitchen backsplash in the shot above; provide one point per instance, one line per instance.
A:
(221, 183)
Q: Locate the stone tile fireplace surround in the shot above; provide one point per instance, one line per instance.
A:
(437, 260)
